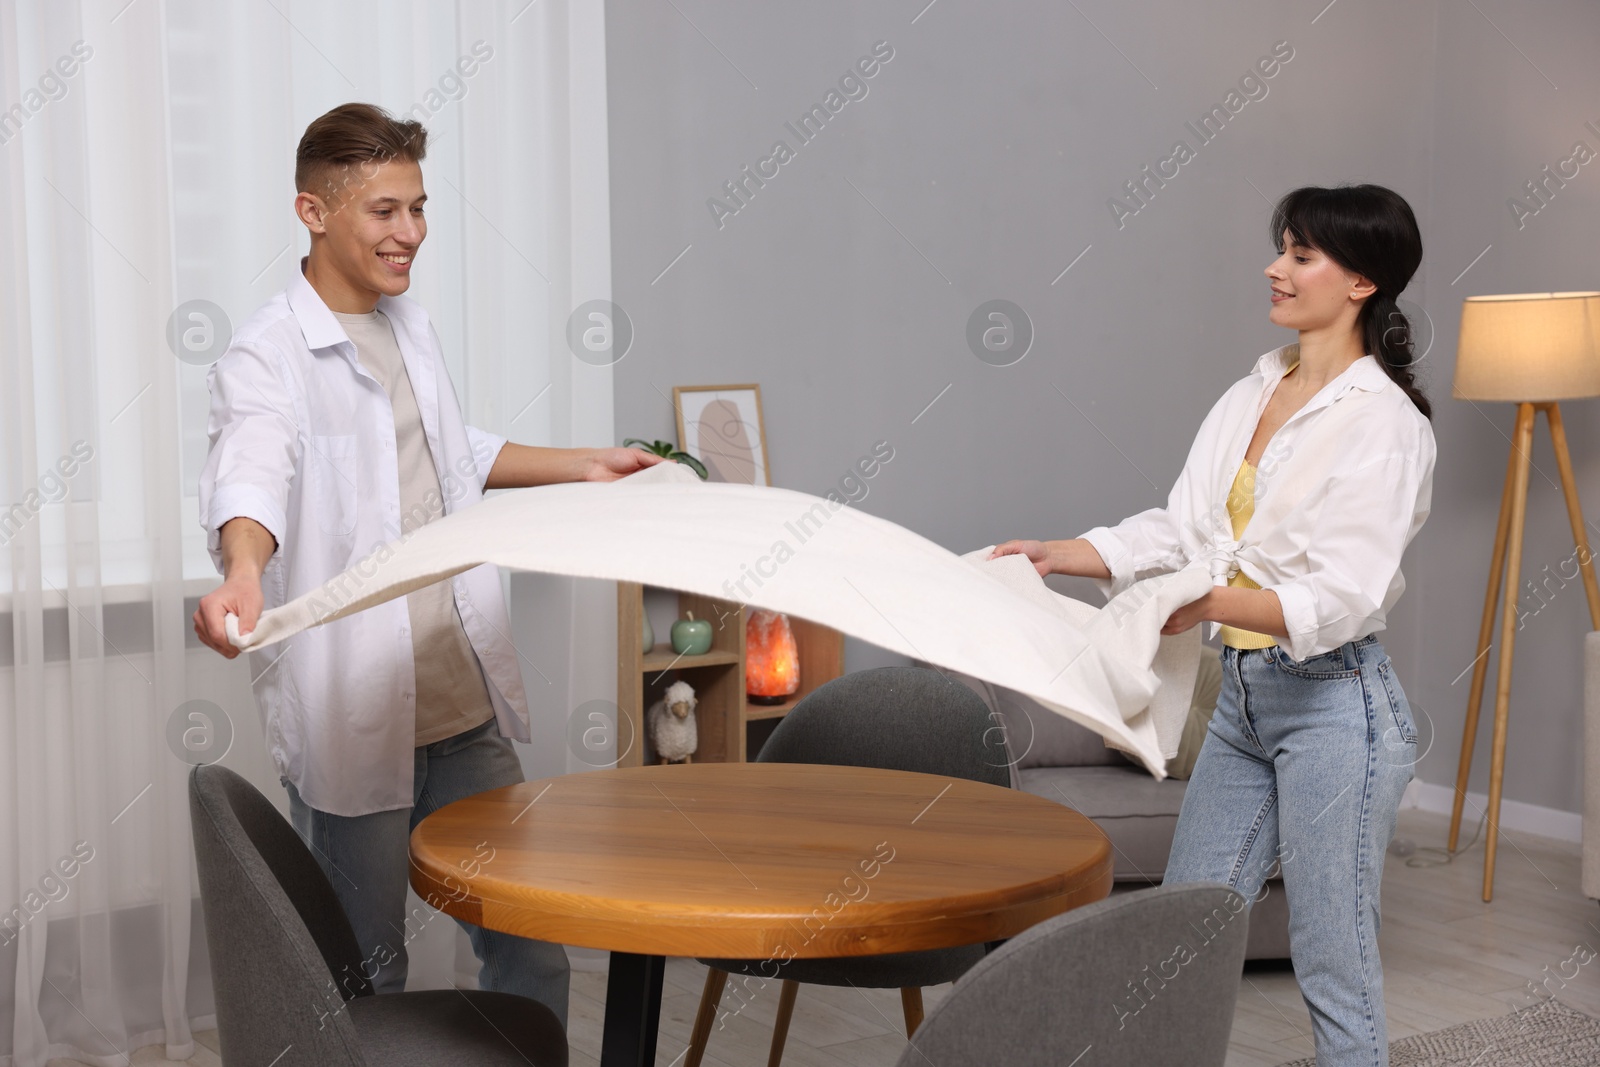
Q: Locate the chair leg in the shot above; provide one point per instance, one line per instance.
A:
(710, 998)
(911, 1002)
(780, 1028)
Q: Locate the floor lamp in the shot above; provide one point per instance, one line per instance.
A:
(1533, 349)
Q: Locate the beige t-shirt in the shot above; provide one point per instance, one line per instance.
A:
(452, 696)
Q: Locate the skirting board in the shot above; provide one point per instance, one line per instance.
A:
(1514, 814)
(588, 959)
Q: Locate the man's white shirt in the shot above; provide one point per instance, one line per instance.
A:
(1341, 489)
(302, 440)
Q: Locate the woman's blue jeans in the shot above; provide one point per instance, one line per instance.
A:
(366, 858)
(1303, 768)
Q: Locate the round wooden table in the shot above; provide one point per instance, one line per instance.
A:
(752, 861)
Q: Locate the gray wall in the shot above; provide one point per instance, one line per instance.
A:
(979, 166)
(1497, 122)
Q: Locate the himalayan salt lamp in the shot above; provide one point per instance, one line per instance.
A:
(772, 662)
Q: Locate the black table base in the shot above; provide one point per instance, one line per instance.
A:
(633, 1010)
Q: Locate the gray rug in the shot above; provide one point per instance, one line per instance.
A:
(1548, 1034)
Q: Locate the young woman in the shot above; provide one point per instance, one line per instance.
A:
(1304, 486)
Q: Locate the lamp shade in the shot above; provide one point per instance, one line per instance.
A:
(1529, 347)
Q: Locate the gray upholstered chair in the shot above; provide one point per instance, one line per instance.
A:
(895, 718)
(1147, 977)
(290, 988)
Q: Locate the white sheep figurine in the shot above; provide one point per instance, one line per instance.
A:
(671, 725)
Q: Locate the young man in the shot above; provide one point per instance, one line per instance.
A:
(334, 429)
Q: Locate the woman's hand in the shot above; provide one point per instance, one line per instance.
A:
(1256, 610)
(1038, 554)
(1186, 617)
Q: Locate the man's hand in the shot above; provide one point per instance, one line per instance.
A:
(521, 466)
(246, 547)
(239, 595)
(609, 464)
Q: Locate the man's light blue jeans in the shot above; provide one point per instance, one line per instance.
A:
(365, 857)
(1303, 767)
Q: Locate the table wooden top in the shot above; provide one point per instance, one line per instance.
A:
(758, 860)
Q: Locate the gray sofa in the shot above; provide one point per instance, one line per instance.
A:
(1064, 762)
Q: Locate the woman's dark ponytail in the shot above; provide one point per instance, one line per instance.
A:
(1371, 231)
(1386, 332)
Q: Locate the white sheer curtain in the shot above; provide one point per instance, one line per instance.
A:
(146, 158)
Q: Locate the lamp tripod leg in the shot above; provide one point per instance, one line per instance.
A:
(1569, 490)
(1480, 663)
(1508, 637)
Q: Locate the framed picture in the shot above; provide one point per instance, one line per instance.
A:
(721, 426)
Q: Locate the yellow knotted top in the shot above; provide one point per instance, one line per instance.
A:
(1242, 505)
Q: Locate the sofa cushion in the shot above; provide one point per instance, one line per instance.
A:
(1036, 736)
(1207, 690)
(1138, 813)
(1040, 738)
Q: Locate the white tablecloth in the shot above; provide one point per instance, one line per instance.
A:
(1108, 669)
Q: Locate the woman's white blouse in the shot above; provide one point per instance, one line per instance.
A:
(1341, 489)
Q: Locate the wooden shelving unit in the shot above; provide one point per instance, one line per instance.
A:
(722, 713)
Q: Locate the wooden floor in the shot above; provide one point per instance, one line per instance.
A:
(1448, 958)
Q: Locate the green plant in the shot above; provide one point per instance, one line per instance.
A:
(669, 450)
